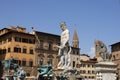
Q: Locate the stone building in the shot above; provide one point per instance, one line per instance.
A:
(17, 43)
(75, 54)
(46, 47)
(115, 51)
(87, 67)
(28, 48)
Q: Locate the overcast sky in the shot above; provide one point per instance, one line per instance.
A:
(93, 19)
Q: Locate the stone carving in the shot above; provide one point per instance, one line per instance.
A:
(64, 70)
(101, 49)
(64, 49)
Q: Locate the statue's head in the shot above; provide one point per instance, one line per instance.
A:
(63, 25)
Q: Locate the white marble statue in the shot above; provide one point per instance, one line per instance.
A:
(64, 49)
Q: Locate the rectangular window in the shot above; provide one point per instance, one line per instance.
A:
(24, 40)
(18, 50)
(31, 51)
(24, 50)
(84, 65)
(32, 41)
(19, 62)
(23, 63)
(9, 50)
(93, 72)
(17, 39)
(30, 63)
(88, 65)
(89, 72)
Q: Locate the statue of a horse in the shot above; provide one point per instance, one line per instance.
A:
(10, 65)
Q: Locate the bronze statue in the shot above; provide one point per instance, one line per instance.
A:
(45, 70)
(18, 74)
(101, 50)
(10, 64)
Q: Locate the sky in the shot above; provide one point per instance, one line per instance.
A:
(92, 19)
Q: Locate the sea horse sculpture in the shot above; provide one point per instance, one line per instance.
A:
(10, 64)
(18, 74)
(45, 70)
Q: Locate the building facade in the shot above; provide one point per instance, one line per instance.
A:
(46, 47)
(22, 46)
(115, 51)
(87, 68)
(17, 43)
(28, 48)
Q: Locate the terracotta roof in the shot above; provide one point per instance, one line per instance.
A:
(75, 37)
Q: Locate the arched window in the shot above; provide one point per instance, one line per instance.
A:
(50, 57)
(24, 62)
(84, 71)
(24, 49)
(31, 50)
(30, 62)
